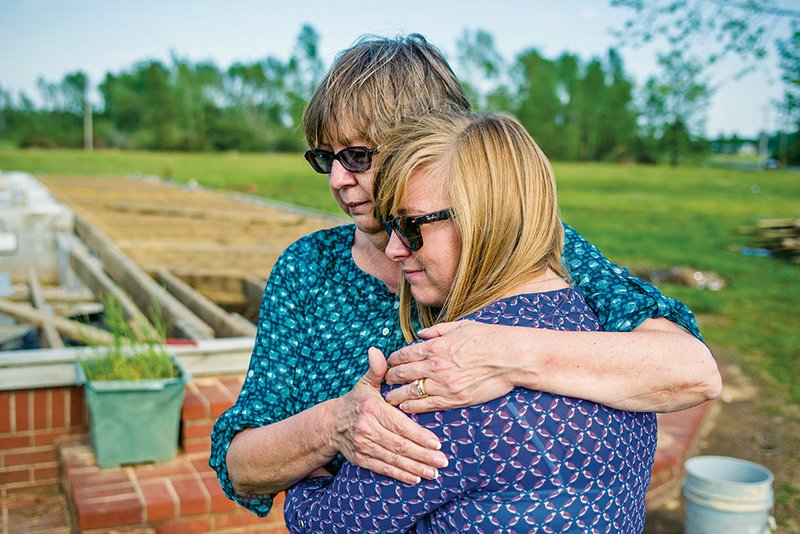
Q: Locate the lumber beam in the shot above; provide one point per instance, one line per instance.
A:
(142, 289)
(71, 329)
(223, 323)
(91, 273)
(253, 289)
(48, 335)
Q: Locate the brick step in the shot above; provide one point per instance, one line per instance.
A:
(174, 497)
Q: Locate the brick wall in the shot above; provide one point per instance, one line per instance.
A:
(31, 423)
(44, 443)
(205, 400)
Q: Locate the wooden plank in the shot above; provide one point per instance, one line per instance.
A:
(48, 335)
(142, 289)
(78, 309)
(27, 369)
(13, 332)
(71, 329)
(222, 286)
(778, 223)
(223, 323)
(91, 273)
(253, 289)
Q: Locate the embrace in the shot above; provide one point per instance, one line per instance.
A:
(525, 400)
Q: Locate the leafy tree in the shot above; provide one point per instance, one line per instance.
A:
(721, 27)
(538, 105)
(618, 131)
(789, 51)
(718, 29)
(482, 70)
(674, 102)
(303, 73)
(573, 102)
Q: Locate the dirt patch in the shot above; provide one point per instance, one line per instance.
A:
(754, 422)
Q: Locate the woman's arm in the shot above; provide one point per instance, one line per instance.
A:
(657, 367)
(360, 500)
(361, 425)
(274, 435)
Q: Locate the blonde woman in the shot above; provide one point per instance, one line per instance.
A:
(470, 207)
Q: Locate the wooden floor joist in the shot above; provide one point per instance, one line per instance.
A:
(71, 329)
(142, 289)
(223, 323)
(157, 225)
(91, 273)
(253, 289)
(49, 337)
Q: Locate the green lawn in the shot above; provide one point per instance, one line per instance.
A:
(639, 216)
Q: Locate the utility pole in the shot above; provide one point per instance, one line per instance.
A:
(88, 137)
(763, 146)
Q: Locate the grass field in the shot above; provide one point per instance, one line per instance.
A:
(639, 217)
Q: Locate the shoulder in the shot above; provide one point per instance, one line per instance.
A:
(312, 258)
(561, 309)
(330, 241)
(319, 250)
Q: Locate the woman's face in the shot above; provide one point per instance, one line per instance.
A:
(353, 191)
(431, 269)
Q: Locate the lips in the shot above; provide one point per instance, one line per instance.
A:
(411, 275)
(352, 206)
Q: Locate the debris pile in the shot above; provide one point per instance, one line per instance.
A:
(685, 276)
(774, 237)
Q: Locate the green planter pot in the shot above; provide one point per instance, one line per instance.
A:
(134, 421)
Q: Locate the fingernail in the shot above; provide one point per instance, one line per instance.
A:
(432, 444)
(417, 480)
(441, 461)
(431, 473)
(435, 473)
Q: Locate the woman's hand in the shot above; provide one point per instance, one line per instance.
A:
(376, 436)
(461, 362)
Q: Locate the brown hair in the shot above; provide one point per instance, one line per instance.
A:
(503, 193)
(376, 82)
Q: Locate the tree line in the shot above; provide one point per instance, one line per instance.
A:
(580, 110)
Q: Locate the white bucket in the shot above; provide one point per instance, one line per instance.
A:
(726, 496)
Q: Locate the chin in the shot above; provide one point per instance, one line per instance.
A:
(368, 225)
(426, 299)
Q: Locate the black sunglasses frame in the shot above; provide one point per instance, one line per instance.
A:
(411, 236)
(313, 156)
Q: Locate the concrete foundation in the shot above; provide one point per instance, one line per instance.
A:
(30, 221)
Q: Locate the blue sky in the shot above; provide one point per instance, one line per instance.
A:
(48, 38)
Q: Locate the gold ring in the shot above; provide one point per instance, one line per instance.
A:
(420, 385)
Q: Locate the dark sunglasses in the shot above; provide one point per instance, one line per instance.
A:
(352, 158)
(408, 228)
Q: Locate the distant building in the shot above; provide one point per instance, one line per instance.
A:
(748, 149)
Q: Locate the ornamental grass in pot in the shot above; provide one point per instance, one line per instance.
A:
(134, 393)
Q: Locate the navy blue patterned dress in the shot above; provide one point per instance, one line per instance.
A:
(320, 313)
(526, 462)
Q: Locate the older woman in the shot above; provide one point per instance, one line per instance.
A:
(306, 400)
(474, 225)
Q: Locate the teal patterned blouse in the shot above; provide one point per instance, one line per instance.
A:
(320, 313)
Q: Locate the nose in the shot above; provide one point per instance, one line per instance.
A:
(340, 177)
(395, 250)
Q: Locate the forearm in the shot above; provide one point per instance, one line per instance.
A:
(658, 369)
(269, 459)
(360, 500)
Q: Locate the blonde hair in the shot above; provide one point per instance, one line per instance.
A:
(503, 193)
(372, 85)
